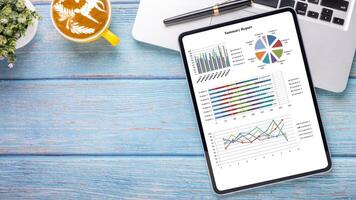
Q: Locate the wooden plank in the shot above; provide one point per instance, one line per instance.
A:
(51, 56)
(36, 2)
(126, 117)
(151, 178)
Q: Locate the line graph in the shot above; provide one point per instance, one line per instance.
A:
(254, 140)
(274, 130)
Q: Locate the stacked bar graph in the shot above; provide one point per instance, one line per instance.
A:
(241, 97)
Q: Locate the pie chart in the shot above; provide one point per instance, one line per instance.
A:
(268, 49)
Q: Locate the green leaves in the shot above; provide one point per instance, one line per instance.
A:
(14, 21)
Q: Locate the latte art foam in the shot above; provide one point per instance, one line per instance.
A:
(80, 19)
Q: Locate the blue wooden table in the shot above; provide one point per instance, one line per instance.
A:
(93, 121)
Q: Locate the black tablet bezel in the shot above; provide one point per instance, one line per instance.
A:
(181, 36)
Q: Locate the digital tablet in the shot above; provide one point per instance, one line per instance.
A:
(254, 101)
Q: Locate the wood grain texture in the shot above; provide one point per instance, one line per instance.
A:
(37, 2)
(126, 128)
(151, 178)
(50, 56)
(127, 117)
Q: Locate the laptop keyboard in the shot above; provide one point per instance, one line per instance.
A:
(329, 11)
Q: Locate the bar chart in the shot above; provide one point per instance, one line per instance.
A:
(211, 62)
(242, 97)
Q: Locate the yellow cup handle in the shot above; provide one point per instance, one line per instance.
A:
(111, 37)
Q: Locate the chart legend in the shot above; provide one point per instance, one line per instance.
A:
(254, 101)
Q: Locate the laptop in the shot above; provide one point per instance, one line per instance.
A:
(328, 29)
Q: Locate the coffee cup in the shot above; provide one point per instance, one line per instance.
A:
(83, 21)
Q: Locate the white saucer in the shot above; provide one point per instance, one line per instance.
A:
(31, 30)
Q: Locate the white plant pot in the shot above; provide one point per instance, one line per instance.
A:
(31, 30)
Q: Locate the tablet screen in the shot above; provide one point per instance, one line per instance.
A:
(254, 102)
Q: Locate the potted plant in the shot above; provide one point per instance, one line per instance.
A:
(18, 25)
